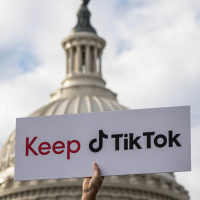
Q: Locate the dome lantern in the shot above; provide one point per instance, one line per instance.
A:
(84, 50)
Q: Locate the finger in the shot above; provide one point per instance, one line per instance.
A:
(97, 172)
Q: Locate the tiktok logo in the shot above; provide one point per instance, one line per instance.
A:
(130, 141)
(101, 136)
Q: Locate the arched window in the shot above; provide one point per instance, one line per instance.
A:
(92, 59)
(83, 64)
(98, 65)
(74, 59)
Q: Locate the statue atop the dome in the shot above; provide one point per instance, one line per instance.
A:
(85, 2)
(83, 15)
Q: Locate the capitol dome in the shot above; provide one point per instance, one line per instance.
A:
(83, 91)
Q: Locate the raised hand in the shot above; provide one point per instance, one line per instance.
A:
(91, 185)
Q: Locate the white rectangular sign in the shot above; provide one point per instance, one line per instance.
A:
(121, 142)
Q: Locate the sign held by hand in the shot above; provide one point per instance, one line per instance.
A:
(121, 142)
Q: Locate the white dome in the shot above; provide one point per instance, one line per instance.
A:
(79, 104)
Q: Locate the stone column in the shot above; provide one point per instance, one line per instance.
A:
(68, 63)
(71, 64)
(87, 60)
(95, 59)
(78, 59)
(100, 56)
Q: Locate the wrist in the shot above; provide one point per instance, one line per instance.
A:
(87, 196)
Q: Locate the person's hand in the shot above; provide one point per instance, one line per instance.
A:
(92, 184)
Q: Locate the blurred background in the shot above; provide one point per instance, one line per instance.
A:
(151, 59)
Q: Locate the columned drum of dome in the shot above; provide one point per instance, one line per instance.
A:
(84, 90)
(84, 54)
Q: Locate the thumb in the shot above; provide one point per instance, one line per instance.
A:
(96, 170)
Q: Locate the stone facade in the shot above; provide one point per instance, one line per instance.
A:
(132, 187)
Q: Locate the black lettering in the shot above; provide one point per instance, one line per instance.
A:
(148, 134)
(163, 143)
(101, 136)
(116, 136)
(133, 142)
(125, 142)
(173, 139)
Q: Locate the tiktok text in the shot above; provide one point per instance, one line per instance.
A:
(130, 141)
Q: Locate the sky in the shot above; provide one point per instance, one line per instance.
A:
(151, 58)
